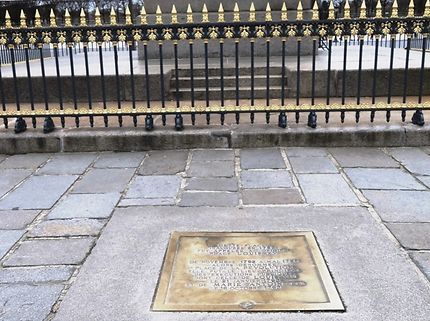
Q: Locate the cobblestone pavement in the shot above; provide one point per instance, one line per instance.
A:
(54, 208)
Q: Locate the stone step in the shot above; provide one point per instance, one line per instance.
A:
(199, 71)
(229, 81)
(229, 93)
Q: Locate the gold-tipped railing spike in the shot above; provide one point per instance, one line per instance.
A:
(128, 19)
(395, 10)
(52, 19)
(346, 10)
(112, 17)
(427, 9)
(378, 13)
(82, 18)
(221, 13)
(268, 16)
(205, 13)
(174, 14)
(22, 20)
(315, 11)
(331, 10)
(37, 20)
(8, 21)
(143, 19)
(411, 10)
(67, 18)
(236, 13)
(158, 16)
(284, 12)
(299, 11)
(98, 17)
(189, 14)
(363, 9)
(252, 12)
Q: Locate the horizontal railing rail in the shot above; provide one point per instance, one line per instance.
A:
(219, 63)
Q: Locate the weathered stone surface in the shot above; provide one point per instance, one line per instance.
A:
(99, 180)
(228, 184)
(401, 206)
(326, 189)
(261, 158)
(425, 180)
(35, 274)
(211, 169)
(50, 252)
(157, 186)
(265, 179)
(9, 178)
(422, 260)
(38, 192)
(414, 159)
(221, 199)
(316, 165)
(7, 239)
(63, 164)
(362, 157)
(271, 196)
(414, 236)
(305, 151)
(382, 178)
(27, 161)
(74, 227)
(16, 220)
(204, 155)
(119, 160)
(27, 302)
(164, 163)
(146, 202)
(85, 205)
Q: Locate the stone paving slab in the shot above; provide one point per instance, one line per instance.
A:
(157, 186)
(67, 164)
(400, 206)
(414, 159)
(228, 184)
(204, 155)
(414, 236)
(362, 157)
(38, 192)
(422, 259)
(383, 178)
(265, 179)
(146, 202)
(119, 160)
(261, 158)
(50, 252)
(164, 163)
(99, 180)
(7, 239)
(85, 205)
(350, 239)
(32, 275)
(192, 199)
(64, 228)
(271, 196)
(26, 161)
(315, 165)
(20, 302)
(305, 151)
(425, 180)
(211, 169)
(9, 178)
(16, 220)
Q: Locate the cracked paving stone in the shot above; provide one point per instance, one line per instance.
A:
(16, 220)
(8, 238)
(119, 160)
(73, 227)
(38, 274)
(261, 158)
(362, 157)
(104, 180)
(168, 162)
(222, 199)
(271, 196)
(265, 179)
(414, 236)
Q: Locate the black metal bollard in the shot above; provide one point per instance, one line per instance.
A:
(179, 122)
(149, 123)
(282, 121)
(48, 125)
(418, 118)
(20, 125)
(312, 119)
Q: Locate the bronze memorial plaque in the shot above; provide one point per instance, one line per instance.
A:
(263, 271)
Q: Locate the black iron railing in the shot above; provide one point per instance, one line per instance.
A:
(215, 64)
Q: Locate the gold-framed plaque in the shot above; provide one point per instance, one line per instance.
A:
(245, 271)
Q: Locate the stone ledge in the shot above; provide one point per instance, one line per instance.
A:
(234, 136)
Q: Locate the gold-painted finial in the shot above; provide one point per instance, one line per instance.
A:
(205, 13)
(363, 11)
(158, 16)
(331, 10)
(346, 10)
(378, 13)
(315, 11)
(189, 14)
(112, 17)
(37, 19)
(221, 13)
(299, 11)
(411, 11)
(284, 12)
(22, 20)
(174, 14)
(67, 19)
(268, 16)
(143, 20)
(8, 20)
(98, 17)
(427, 9)
(128, 19)
(395, 10)
(52, 19)
(82, 18)
(252, 12)
(236, 13)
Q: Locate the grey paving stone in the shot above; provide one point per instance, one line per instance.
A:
(414, 236)
(414, 159)
(305, 151)
(362, 157)
(74, 227)
(213, 155)
(326, 189)
(316, 165)
(2, 158)
(265, 179)
(261, 158)
(157, 186)
(422, 260)
(7, 239)
(25, 302)
(271, 196)
(425, 180)
(16, 220)
(401, 206)
(164, 163)
(9, 178)
(85, 205)
(211, 169)
(221, 199)
(73, 163)
(146, 202)
(38, 192)
(40, 274)
(26, 161)
(50, 252)
(228, 184)
(374, 277)
(101, 180)
(382, 178)
(118, 160)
